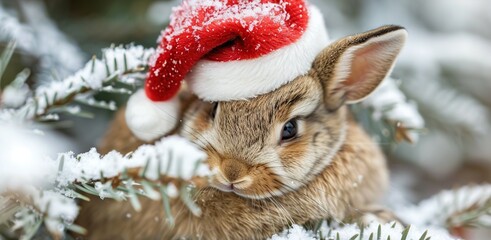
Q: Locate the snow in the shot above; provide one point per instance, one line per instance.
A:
(436, 210)
(14, 97)
(184, 17)
(93, 76)
(95, 73)
(388, 231)
(58, 209)
(176, 157)
(21, 158)
(27, 170)
(172, 190)
(111, 105)
(15, 94)
(430, 215)
(294, 233)
(172, 156)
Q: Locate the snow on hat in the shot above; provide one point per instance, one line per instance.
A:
(225, 50)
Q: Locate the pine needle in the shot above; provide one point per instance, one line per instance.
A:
(405, 232)
(354, 237)
(423, 237)
(166, 204)
(5, 58)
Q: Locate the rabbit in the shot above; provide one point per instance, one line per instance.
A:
(291, 156)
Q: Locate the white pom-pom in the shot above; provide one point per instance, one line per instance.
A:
(149, 120)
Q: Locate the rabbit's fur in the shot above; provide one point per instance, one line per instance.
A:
(332, 169)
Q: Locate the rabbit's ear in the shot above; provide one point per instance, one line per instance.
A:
(352, 67)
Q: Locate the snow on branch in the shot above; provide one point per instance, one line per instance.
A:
(353, 231)
(118, 65)
(432, 218)
(165, 170)
(172, 156)
(466, 206)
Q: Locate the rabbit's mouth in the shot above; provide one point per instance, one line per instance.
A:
(238, 186)
(246, 187)
(241, 192)
(230, 188)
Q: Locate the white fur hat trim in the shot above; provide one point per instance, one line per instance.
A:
(149, 120)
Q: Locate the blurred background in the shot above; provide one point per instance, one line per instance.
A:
(445, 69)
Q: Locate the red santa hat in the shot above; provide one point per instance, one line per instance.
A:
(225, 50)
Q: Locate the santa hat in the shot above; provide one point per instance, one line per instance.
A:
(225, 50)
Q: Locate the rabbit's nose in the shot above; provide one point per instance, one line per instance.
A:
(233, 170)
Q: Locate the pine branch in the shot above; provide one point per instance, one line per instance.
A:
(466, 206)
(373, 231)
(124, 66)
(151, 171)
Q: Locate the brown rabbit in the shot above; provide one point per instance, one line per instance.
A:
(289, 156)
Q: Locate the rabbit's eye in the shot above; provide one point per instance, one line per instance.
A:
(213, 111)
(289, 130)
